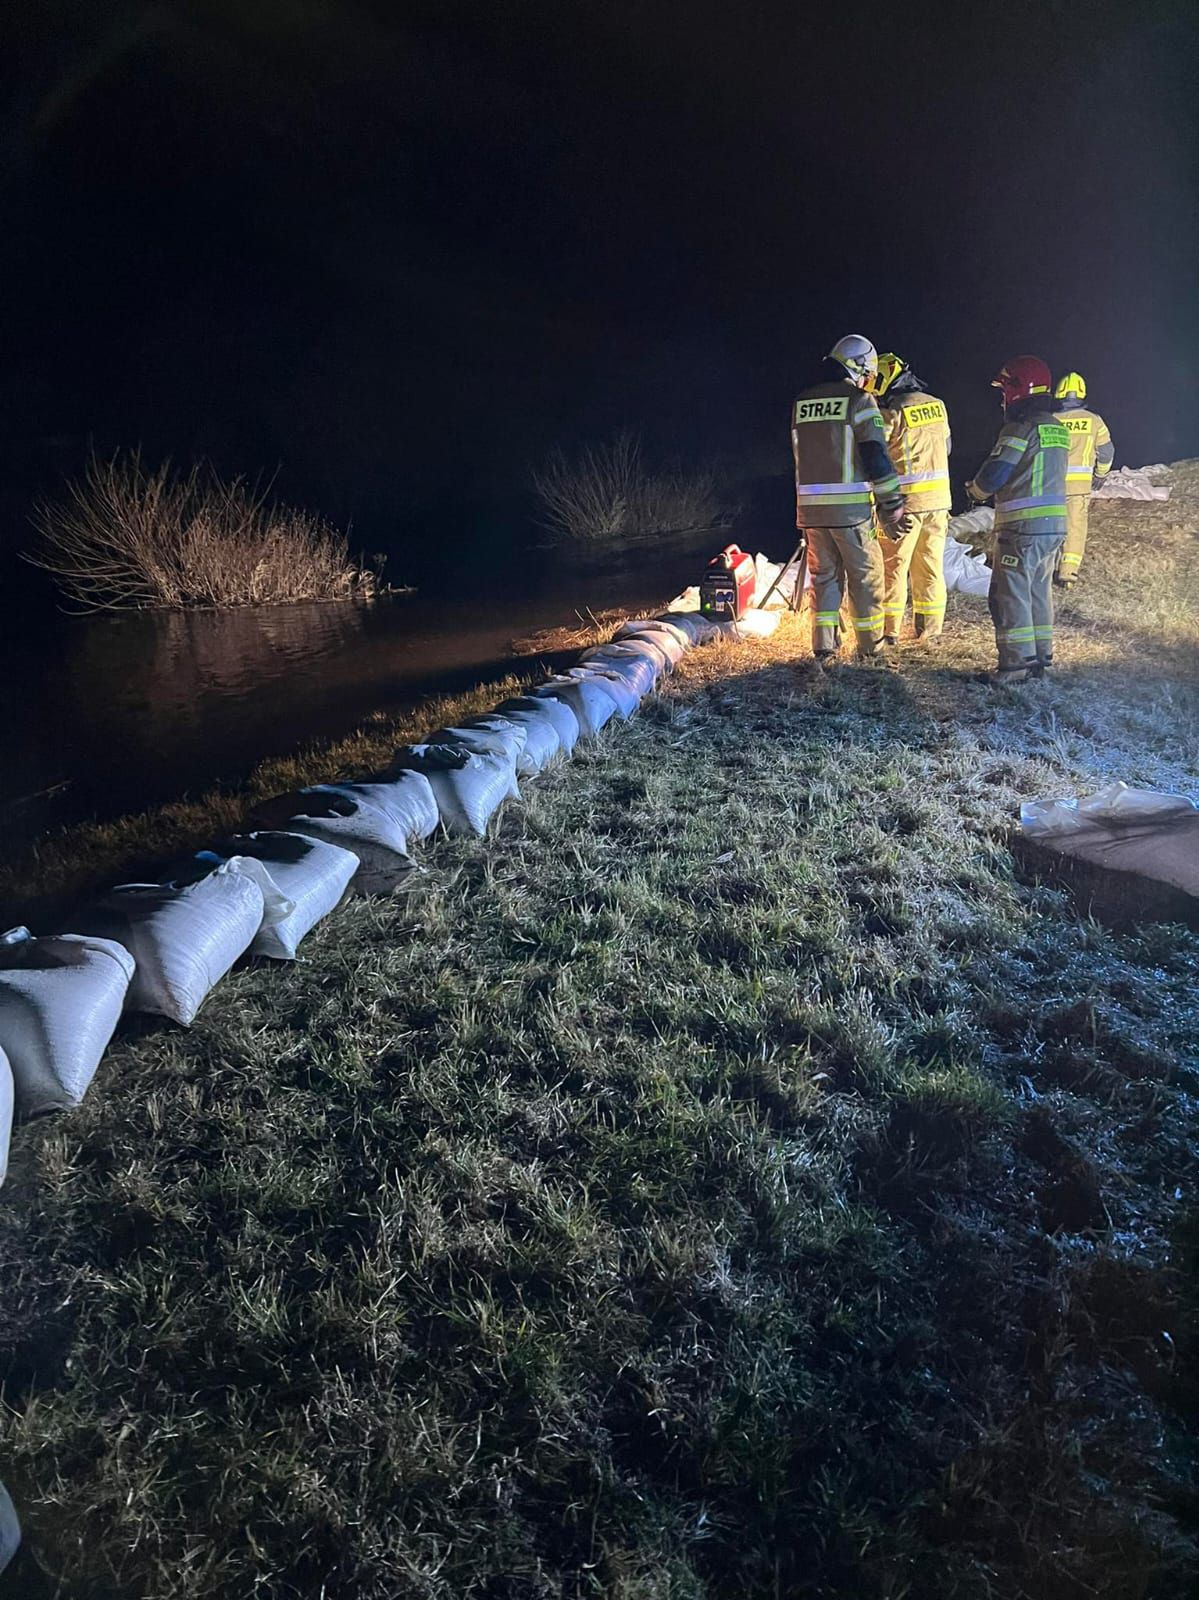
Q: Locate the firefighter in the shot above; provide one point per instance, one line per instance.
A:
(919, 442)
(842, 471)
(1026, 472)
(1091, 457)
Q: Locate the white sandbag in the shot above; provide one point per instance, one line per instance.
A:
(543, 722)
(660, 629)
(183, 937)
(302, 879)
(486, 736)
(1133, 483)
(10, 1529)
(973, 527)
(656, 649)
(60, 999)
(340, 814)
(403, 796)
(593, 702)
(639, 673)
(752, 624)
(468, 788)
(530, 711)
(6, 1100)
(651, 658)
(622, 687)
(965, 573)
(700, 630)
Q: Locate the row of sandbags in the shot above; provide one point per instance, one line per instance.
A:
(160, 947)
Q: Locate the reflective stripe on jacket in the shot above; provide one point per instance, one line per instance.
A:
(1091, 449)
(919, 442)
(833, 426)
(1026, 472)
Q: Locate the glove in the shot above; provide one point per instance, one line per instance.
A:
(975, 498)
(896, 523)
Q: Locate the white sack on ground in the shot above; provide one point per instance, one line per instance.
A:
(341, 814)
(676, 639)
(700, 630)
(1133, 483)
(619, 680)
(183, 937)
(6, 1100)
(968, 525)
(405, 797)
(302, 879)
(651, 646)
(964, 573)
(639, 668)
(486, 736)
(468, 788)
(10, 1529)
(592, 701)
(535, 715)
(1116, 803)
(60, 999)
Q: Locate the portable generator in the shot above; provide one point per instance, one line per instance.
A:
(726, 590)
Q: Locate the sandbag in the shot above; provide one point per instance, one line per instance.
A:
(620, 681)
(538, 712)
(341, 814)
(486, 736)
(10, 1529)
(183, 937)
(592, 701)
(637, 663)
(60, 999)
(700, 630)
(6, 1103)
(308, 878)
(676, 639)
(468, 788)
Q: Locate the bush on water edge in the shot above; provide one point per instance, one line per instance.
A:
(126, 537)
(607, 494)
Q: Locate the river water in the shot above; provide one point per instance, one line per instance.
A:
(107, 714)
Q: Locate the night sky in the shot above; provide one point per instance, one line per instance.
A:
(400, 250)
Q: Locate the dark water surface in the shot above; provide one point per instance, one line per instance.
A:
(104, 715)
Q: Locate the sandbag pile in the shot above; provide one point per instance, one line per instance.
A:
(160, 948)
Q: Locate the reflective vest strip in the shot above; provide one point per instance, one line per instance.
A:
(1031, 500)
(1029, 513)
(848, 487)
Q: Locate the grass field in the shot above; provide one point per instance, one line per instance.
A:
(729, 1180)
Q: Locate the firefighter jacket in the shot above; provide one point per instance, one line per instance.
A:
(1091, 449)
(1026, 470)
(919, 442)
(841, 460)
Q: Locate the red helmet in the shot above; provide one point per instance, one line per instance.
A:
(1026, 375)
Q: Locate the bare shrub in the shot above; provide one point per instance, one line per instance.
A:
(127, 537)
(606, 492)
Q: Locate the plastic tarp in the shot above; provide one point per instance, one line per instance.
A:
(1133, 483)
(6, 1105)
(593, 701)
(301, 879)
(60, 999)
(468, 788)
(534, 715)
(345, 815)
(1131, 850)
(183, 937)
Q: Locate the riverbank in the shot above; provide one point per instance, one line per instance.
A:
(728, 1180)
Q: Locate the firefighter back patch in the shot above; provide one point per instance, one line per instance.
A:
(1053, 436)
(922, 415)
(828, 408)
(1077, 424)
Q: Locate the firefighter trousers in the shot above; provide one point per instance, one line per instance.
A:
(921, 554)
(841, 558)
(1078, 507)
(1021, 598)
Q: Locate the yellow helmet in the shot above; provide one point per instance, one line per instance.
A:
(889, 368)
(1071, 387)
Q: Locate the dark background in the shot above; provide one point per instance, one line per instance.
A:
(398, 251)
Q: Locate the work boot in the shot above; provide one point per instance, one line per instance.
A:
(891, 641)
(1063, 583)
(827, 659)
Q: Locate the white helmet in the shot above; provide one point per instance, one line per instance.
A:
(859, 358)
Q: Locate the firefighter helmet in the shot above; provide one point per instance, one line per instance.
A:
(1072, 387)
(1022, 378)
(859, 358)
(889, 368)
